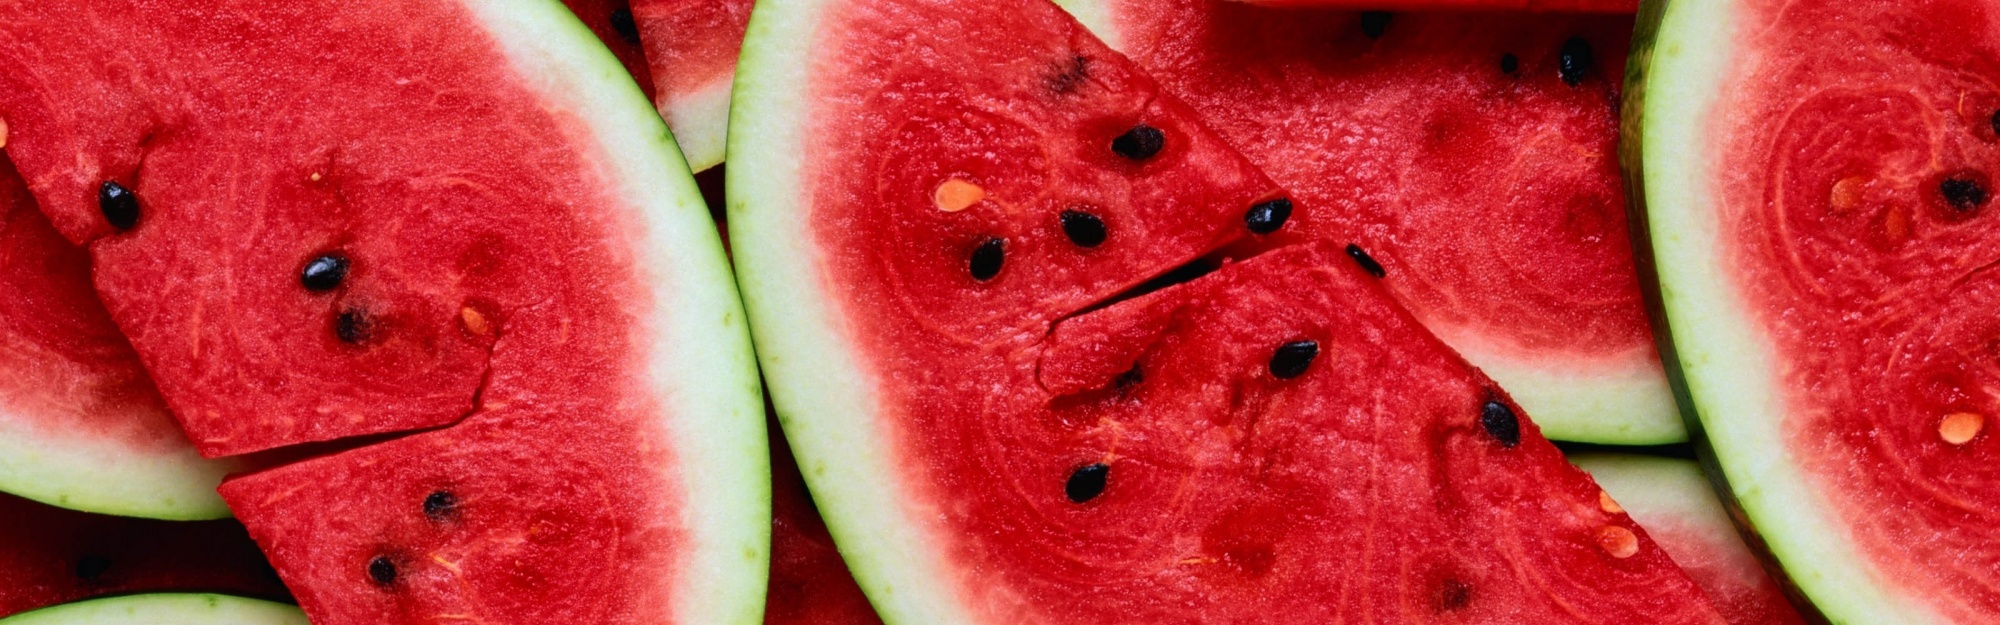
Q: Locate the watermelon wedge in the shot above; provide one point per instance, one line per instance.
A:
(1470, 157)
(51, 555)
(691, 48)
(165, 609)
(1574, 6)
(1815, 180)
(81, 425)
(450, 242)
(942, 232)
(1675, 503)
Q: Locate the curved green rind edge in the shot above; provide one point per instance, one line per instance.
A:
(707, 376)
(1598, 405)
(1717, 363)
(103, 477)
(700, 121)
(164, 609)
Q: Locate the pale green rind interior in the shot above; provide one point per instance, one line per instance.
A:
(1652, 489)
(163, 609)
(701, 123)
(1726, 365)
(824, 398)
(701, 363)
(105, 476)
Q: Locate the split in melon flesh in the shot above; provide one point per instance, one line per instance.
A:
(691, 48)
(1471, 157)
(451, 240)
(939, 232)
(1674, 501)
(1816, 179)
(51, 555)
(165, 609)
(81, 425)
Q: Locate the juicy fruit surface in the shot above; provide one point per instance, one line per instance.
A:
(50, 555)
(1679, 509)
(166, 609)
(78, 416)
(1853, 208)
(1146, 460)
(1471, 155)
(691, 48)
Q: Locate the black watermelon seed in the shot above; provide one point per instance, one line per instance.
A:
(1268, 216)
(120, 207)
(1575, 61)
(324, 273)
(988, 258)
(1964, 194)
(1995, 122)
(621, 23)
(1499, 421)
(1087, 483)
(90, 568)
(1454, 595)
(1083, 229)
(1139, 143)
(353, 326)
(1509, 63)
(1292, 359)
(1375, 23)
(1366, 262)
(382, 570)
(440, 505)
(1133, 377)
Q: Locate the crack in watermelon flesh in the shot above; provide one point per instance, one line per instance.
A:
(49, 556)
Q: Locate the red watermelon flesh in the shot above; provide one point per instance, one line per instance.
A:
(691, 47)
(1472, 156)
(50, 555)
(810, 584)
(612, 22)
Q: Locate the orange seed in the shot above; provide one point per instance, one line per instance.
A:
(1621, 543)
(1605, 503)
(957, 195)
(474, 322)
(1846, 195)
(1959, 428)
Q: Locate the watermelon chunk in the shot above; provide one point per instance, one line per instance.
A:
(1815, 179)
(691, 48)
(1471, 156)
(450, 240)
(166, 609)
(941, 210)
(81, 425)
(51, 555)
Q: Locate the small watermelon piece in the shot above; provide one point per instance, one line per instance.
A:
(81, 425)
(1680, 511)
(1569, 6)
(1816, 178)
(1471, 157)
(51, 555)
(691, 47)
(940, 210)
(165, 609)
(451, 239)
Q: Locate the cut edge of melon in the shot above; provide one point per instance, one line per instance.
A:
(700, 121)
(803, 347)
(705, 376)
(164, 609)
(1723, 371)
(173, 483)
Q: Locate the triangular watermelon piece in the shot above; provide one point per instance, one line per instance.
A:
(450, 239)
(940, 210)
(691, 48)
(50, 555)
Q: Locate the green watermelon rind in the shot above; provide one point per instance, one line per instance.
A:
(706, 377)
(702, 120)
(824, 399)
(108, 477)
(1723, 374)
(1585, 404)
(164, 609)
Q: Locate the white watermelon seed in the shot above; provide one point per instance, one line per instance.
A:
(1959, 428)
(956, 195)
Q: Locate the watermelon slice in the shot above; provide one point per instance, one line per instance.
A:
(450, 239)
(1673, 500)
(1815, 176)
(941, 209)
(691, 48)
(1470, 157)
(50, 555)
(165, 609)
(81, 425)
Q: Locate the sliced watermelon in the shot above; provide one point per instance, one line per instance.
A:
(691, 46)
(50, 555)
(453, 239)
(81, 425)
(1674, 501)
(936, 206)
(1815, 176)
(1471, 157)
(1576, 6)
(165, 609)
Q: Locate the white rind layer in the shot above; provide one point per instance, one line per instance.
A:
(105, 475)
(1726, 362)
(700, 363)
(824, 396)
(1656, 490)
(701, 122)
(164, 609)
